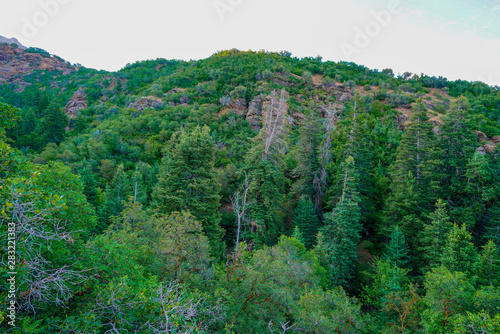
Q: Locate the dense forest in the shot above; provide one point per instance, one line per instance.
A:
(249, 192)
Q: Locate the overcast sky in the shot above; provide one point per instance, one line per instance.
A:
(457, 39)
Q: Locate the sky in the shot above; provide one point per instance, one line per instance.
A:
(456, 39)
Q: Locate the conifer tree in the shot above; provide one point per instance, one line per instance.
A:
(266, 210)
(397, 250)
(489, 264)
(457, 141)
(342, 229)
(434, 235)
(460, 253)
(418, 153)
(54, 124)
(415, 176)
(307, 221)
(187, 182)
(308, 161)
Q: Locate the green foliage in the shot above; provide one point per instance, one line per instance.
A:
(187, 181)
(307, 222)
(157, 246)
(448, 294)
(435, 234)
(342, 230)
(397, 250)
(459, 253)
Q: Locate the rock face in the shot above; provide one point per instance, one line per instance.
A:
(146, 102)
(239, 106)
(12, 41)
(495, 139)
(254, 113)
(77, 102)
(15, 63)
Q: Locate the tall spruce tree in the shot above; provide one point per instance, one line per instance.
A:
(397, 250)
(187, 182)
(307, 221)
(459, 253)
(342, 229)
(434, 235)
(415, 176)
(54, 124)
(457, 141)
(308, 160)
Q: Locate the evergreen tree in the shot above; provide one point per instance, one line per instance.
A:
(481, 191)
(418, 153)
(489, 264)
(457, 141)
(342, 229)
(415, 177)
(308, 161)
(266, 210)
(433, 237)
(397, 250)
(187, 182)
(54, 124)
(460, 253)
(307, 221)
(117, 192)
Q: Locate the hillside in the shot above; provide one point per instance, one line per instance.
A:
(363, 201)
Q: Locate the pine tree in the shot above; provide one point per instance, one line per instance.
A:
(434, 235)
(418, 154)
(308, 161)
(267, 195)
(460, 253)
(307, 221)
(116, 193)
(481, 189)
(397, 250)
(489, 264)
(187, 182)
(457, 141)
(342, 229)
(415, 177)
(54, 124)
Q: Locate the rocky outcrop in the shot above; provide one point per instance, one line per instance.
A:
(12, 40)
(239, 106)
(481, 150)
(489, 148)
(402, 121)
(146, 102)
(254, 113)
(495, 139)
(481, 136)
(15, 63)
(76, 103)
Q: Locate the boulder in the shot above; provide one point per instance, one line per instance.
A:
(489, 148)
(146, 102)
(481, 150)
(481, 136)
(495, 139)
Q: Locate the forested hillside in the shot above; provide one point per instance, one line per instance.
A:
(249, 192)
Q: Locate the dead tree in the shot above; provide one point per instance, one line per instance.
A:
(240, 204)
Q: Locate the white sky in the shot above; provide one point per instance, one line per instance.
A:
(457, 39)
